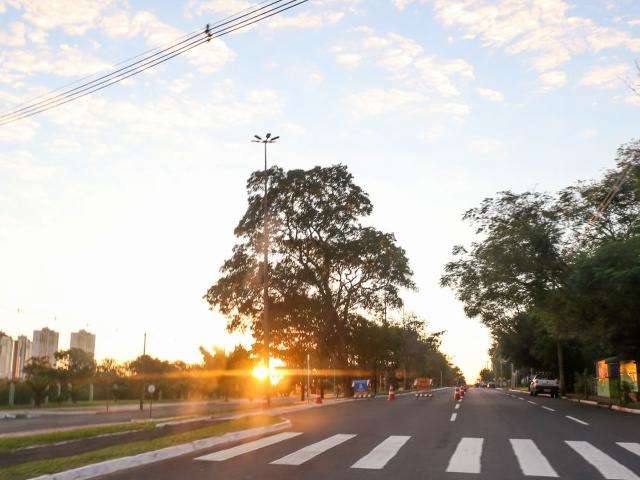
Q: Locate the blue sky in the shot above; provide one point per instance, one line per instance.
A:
(117, 210)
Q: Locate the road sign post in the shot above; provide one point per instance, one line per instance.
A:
(151, 389)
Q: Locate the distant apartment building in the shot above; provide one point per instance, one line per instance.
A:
(84, 341)
(45, 344)
(21, 355)
(6, 356)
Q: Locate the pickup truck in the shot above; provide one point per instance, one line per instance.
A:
(544, 383)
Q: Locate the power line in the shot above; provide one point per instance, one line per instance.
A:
(173, 44)
(238, 21)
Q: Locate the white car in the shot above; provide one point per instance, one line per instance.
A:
(544, 383)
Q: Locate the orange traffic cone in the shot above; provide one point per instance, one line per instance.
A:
(318, 396)
(392, 393)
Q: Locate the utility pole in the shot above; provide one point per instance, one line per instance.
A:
(265, 274)
(144, 352)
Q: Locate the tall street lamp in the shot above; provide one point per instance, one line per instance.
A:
(265, 274)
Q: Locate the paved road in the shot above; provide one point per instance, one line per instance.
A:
(45, 419)
(492, 434)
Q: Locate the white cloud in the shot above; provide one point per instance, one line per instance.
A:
(489, 94)
(543, 31)
(552, 80)
(486, 146)
(21, 131)
(378, 101)
(433, 133)
(350, 60)
(21, 165)
(401, 4)
(405, 60)
(589, 133)
(609, 76)
(65, 61)
(315, 78)
(75, 17)
(15, 36)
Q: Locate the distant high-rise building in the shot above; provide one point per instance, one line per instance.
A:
(45, 344)
(6, 355)
(21, 355)
(84, 341)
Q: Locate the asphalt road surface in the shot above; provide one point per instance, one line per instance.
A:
(490, 434)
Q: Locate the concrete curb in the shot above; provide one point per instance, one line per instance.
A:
(125, 463)
(595, 404)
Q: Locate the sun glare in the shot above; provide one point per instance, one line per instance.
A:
(261, 372)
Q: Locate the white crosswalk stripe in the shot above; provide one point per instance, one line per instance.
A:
(248, 447)
(307, 453)
(532, 461)
(466, 458)
(632, 447)
(381, 454)
(607, 466)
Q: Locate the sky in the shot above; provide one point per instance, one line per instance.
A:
(117, 210)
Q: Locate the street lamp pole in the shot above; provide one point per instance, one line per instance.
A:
(265, 274)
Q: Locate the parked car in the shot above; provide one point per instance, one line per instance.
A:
(544, 383)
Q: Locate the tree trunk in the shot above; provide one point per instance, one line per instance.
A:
(560, 367)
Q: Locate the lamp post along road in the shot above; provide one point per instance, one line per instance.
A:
(265, 274)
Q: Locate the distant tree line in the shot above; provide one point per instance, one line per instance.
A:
(556, 277)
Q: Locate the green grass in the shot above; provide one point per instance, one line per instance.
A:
(42, 467)
(13, 443)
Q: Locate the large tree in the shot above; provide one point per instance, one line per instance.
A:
(518, 265)
(327, 266)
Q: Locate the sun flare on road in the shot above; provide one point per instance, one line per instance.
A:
(261, 372)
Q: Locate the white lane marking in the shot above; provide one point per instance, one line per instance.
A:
(380, 455)
(532, 461)
(548, 408)
(457, 406)
(607, 466)
(453, 417)
(248, 447)
(307, 453)
(632, 447)
(520, 398)
(532, 403)
(576, 420)
(466, 458)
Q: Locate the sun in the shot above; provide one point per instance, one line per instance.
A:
(261, 372)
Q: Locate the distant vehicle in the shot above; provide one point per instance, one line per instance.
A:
(544, 383)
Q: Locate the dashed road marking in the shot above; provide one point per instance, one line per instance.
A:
(453, 417)
(532, 403)
(607, 466)
(577, 420)
(532, 461)
(466, 458)
(457, 406)
(548, 408)
(380, 455)
(307, 453)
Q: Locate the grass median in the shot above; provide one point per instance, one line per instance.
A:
(53, 465)
(14, 443)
